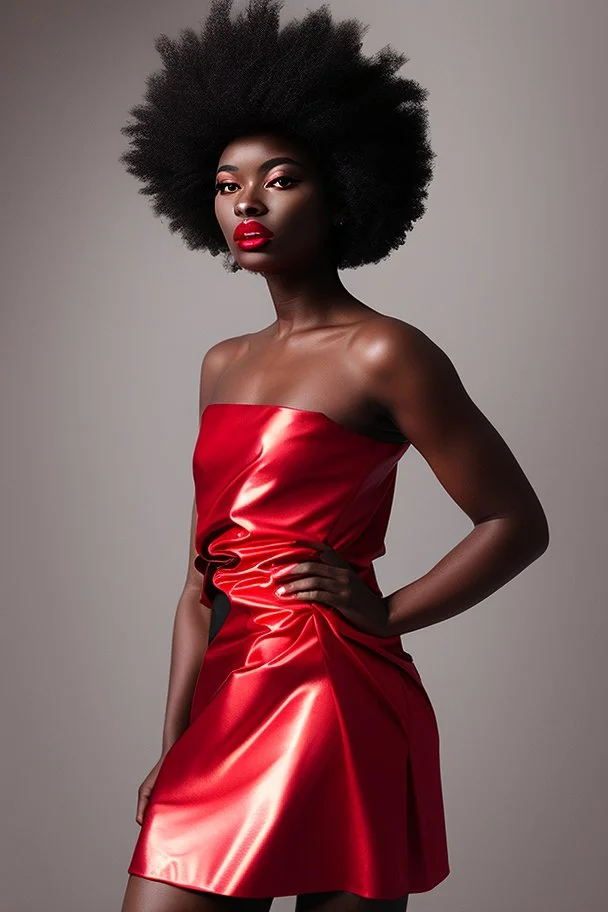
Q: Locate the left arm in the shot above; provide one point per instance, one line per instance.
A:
(415, 381)
(418, 384)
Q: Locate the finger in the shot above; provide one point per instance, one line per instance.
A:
(317, 595)
(142, 802)
(305, 567)
(308, 583)
(316, 567)
(335, 559)
(320, 546)
(331, 556)
(141, 807)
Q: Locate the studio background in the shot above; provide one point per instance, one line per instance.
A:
(105, 317)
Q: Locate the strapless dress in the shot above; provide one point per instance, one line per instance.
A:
(311, 760)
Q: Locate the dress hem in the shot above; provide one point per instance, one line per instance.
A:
(324, 888)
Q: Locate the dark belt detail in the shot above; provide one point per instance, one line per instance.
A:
(220, 608)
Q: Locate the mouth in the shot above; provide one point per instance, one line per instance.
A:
(249, 235)
(252, 242)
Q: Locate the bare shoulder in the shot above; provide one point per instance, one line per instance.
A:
(411, 377)
(417, 383)
(223, 352)
(215, 361)
(393, 352)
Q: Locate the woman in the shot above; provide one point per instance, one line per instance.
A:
(300, 749)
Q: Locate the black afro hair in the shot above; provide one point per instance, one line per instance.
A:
(366, 126)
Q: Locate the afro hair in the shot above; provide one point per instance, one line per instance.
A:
(308, 80)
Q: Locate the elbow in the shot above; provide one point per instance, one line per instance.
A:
(533, 533)
(540, 545)
(524, 533)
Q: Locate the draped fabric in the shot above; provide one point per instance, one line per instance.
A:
(311, 761)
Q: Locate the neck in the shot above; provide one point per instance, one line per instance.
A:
(307, 298)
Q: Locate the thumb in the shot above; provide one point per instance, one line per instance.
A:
(142, 803)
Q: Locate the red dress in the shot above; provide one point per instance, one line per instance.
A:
(311, 762)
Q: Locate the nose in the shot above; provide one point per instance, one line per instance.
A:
(248, 208)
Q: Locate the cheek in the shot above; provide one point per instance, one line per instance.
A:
(307, 216)
(221, 214)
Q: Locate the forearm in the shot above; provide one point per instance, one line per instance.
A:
(189, 643)
(491, 554)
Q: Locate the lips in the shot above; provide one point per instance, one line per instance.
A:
(250, 230)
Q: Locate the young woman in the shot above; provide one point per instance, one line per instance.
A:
(300, 750)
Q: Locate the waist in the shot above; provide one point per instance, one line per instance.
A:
(246, 569)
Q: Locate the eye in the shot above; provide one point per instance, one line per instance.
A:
(283, 177)
(221, 185)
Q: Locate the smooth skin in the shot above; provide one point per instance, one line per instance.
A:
(329, 352)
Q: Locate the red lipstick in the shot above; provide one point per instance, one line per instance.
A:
(250, 234)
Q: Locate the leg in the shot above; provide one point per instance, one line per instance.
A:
(145, 895)
(339, 901)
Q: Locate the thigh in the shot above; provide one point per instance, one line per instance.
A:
(340, 901)
(145, 895)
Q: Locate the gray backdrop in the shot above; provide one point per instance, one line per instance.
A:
(105, 317)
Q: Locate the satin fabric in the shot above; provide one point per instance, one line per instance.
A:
(311, 761)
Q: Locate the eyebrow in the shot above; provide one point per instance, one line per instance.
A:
(265, 166)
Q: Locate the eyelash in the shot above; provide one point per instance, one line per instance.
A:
(221, 184)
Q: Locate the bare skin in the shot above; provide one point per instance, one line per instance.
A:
(327, 351)
(154, 896)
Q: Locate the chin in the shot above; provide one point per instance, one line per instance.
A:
(260, 264)
(278, 265)
(272, 262)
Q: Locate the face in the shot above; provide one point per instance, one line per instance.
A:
(269, 185)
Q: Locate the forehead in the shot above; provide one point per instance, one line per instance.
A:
(253, 150)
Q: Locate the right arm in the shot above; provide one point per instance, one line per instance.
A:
(188, 645)
(192, 618)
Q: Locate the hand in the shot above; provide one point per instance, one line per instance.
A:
(333, 581)
(145, 789)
